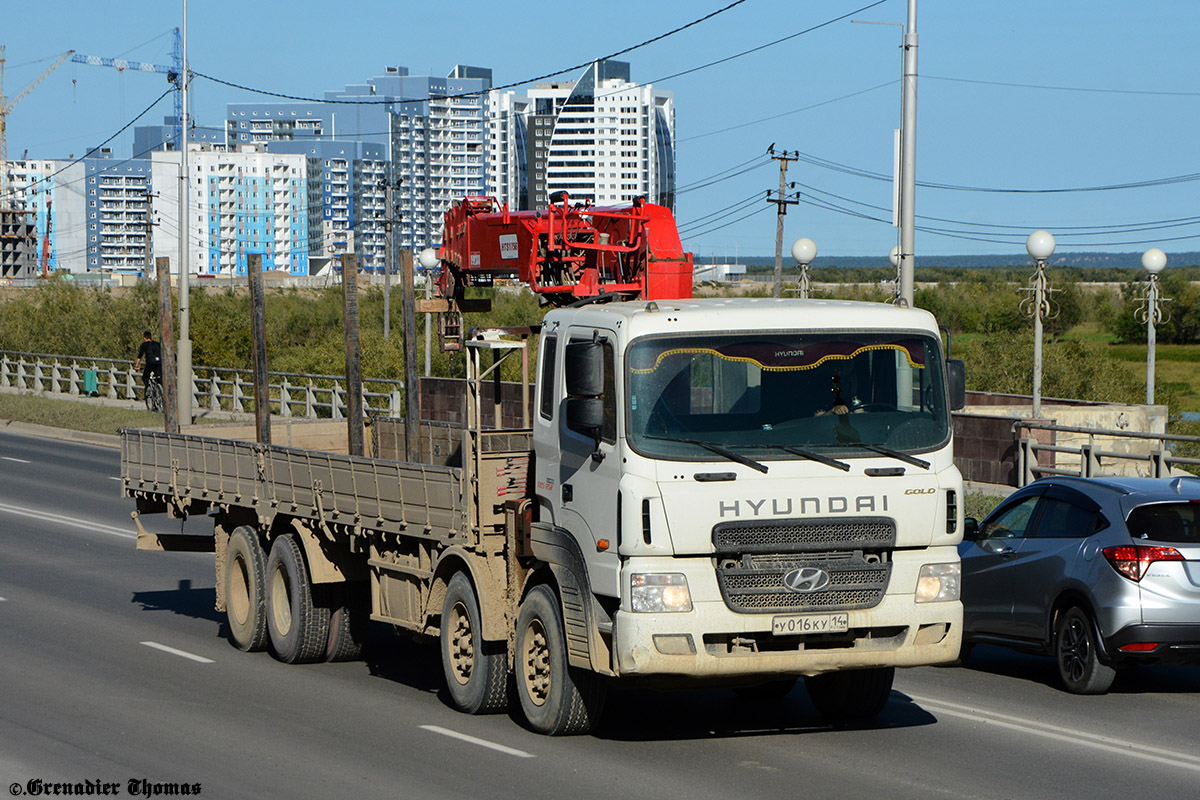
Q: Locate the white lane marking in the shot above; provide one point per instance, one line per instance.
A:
(70, 522)
(3, 599)
(18, 460)
(481, 742)
(111, 478)
(180, 653)
(1024, 725)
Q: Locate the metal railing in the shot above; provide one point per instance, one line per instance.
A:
(291, 394)
(1153, 458)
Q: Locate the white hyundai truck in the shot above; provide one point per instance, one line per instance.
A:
(713, 492)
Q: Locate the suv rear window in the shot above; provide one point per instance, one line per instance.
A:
(1166, 522)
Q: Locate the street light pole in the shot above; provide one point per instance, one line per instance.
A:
(1153, 261)
(908, 161)
(804, 250)
(1040, 246)
(183, 351)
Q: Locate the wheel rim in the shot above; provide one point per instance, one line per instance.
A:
(1074, 649)
(238, 601)
(281, 606)
(536, 663)
(461, 644)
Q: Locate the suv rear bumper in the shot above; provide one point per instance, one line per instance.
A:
(1175, 644)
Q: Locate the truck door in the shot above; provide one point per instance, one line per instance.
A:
(585, 470)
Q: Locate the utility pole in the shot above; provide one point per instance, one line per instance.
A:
(258, 349)
(908, 160)
(354, 388)
(150, 235)
(412, 384)
(781, 203)
(388, 261)
(166, 329)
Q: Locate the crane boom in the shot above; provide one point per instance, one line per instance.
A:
(172, 72)
(7, 106)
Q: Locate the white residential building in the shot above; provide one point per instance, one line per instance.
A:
(602, 139)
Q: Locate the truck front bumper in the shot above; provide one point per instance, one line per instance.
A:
(712, 641)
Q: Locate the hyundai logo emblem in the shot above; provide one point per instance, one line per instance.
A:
(806, 579)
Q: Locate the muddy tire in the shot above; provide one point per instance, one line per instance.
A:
(476, 671)
(245, 592)
(557, 699)
(349, 617)
(851, 695)
(298, 627)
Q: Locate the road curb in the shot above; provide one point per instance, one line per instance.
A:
(65, 434)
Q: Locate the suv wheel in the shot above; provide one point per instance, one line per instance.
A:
(1078, 658)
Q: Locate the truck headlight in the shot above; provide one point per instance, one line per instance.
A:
(660, 591)
(939, 582)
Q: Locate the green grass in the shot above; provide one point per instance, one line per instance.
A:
(979, 505)
(78, 415)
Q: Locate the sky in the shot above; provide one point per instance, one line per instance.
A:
(1017, 101)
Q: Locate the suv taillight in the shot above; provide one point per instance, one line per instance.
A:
(1132, 560)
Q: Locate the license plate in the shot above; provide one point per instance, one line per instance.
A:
(800, 624)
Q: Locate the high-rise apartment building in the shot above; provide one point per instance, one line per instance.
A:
(507, 155)
(432, 128)
(239, 203)
(602, 139)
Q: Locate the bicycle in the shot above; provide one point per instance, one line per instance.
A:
(154, 393)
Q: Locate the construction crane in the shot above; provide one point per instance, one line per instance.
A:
(173, 74)
(7, 106)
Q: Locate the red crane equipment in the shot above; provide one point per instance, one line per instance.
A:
(566, 252)
(46, 240)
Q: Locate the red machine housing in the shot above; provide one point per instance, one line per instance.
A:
(566, 252)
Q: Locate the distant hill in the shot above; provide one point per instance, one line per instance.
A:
(1083, 260)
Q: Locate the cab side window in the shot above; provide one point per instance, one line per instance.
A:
(549, 355)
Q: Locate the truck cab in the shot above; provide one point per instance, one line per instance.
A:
(750, 488)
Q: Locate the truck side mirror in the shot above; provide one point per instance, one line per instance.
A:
(956, 376)
(584, 369)
(586, 415)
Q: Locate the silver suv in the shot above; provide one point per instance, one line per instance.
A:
(1099, 572)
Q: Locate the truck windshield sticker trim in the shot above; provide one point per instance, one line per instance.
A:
(793, 353)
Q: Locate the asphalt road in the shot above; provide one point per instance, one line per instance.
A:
(114, 667)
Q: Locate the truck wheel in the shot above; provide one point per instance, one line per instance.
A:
(1078, 657)
(245, 601)
(556, 698)
(855, 694)
(348, 618)
(299, 628)
(476, 671)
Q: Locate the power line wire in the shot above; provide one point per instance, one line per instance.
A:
(1063, 88)
(513, 85)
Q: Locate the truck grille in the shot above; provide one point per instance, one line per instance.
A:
(803, 535)
(753, 559)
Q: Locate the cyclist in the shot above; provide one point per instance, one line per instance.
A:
(151, 351)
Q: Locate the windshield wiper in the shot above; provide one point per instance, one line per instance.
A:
(887, 451)
(811, 456)
(715, 448)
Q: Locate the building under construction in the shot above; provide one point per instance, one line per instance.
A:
(18, 245)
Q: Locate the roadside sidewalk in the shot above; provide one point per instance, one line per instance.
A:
(65, 434)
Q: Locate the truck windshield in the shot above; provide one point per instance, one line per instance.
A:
(843, 394)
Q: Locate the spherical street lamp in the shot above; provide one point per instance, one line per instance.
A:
(804, 250)
(1040, 246)
(1153, 261)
